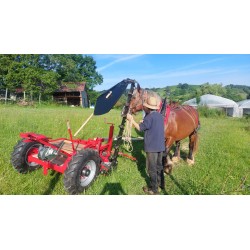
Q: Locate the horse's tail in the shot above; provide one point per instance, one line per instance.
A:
(196, 137)
(199, 124)
(196, 117)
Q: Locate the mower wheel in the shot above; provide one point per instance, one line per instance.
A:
(82, 170)
(20, 155)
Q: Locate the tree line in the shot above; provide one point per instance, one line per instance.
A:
(183, 91)
(41, 74)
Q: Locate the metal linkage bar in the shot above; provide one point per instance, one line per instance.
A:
(118, 143)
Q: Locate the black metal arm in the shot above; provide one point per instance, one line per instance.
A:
(118, 143)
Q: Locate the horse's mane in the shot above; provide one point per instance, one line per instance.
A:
(153, 94)
(172, 104)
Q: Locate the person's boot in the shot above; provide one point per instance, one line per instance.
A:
(148, 190)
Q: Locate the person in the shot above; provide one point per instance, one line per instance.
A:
(154, 144)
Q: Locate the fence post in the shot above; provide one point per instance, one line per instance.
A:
(6, 93)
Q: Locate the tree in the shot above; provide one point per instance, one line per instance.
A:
(183, 86)
(214, 89)
(24, 71)
(93, 95)
(205, 89)
(38, 74)
(74, 68)
(5, 63)
(217, 89)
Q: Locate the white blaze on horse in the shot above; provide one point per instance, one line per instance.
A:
(181, 121)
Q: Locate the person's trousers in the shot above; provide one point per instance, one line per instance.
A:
(155, 170)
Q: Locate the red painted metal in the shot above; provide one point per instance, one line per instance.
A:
(70, 136)
(58, 165)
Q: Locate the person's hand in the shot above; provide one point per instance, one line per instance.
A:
(129, 117)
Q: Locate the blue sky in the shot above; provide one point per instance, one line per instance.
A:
(161, 70)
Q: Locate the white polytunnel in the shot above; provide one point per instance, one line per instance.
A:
(212, 101)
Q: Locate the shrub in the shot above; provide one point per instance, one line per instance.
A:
(205, 111)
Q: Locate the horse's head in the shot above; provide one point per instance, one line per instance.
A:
(136, 100)
(140, 96)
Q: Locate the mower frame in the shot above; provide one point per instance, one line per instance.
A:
(66, 151)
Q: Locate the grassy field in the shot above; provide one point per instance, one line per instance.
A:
(222, 163)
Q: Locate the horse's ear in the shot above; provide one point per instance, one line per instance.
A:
(138, 87)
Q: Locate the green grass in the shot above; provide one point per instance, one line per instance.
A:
(221, 163)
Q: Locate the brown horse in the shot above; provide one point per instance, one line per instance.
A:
(181, 121)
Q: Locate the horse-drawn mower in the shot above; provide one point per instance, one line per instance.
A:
(79, 160)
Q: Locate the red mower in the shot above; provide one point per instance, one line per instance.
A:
(79, 160)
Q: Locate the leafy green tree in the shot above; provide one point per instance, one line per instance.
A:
(41, 74)
(217, 89)
(75, 68)
(205, 89)
(93, 95)
(197, 95)
(25, 72)
(183, 86)
(5, 64)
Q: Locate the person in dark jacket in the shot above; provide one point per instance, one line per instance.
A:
(154, 144)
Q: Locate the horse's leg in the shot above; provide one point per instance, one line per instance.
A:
(176, 156)
(192, 146)
(168, 164)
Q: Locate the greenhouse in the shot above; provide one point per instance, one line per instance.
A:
(245, 105)
(212, 101)
(191, 102)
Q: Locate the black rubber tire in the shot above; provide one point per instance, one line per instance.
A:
(82, 170)
(19, 157)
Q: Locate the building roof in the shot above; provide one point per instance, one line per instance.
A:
(191, 102)
(244, 104)
(212, 101)
(71, 87)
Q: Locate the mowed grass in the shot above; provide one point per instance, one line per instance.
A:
(222, 162)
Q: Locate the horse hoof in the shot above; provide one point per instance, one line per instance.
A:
(168, 169)
(190, 162)
(175, 159)
(169, 163)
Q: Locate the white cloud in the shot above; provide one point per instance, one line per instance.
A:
(121, 59)
(178, 73)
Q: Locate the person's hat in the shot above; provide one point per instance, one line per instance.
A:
(151, 103)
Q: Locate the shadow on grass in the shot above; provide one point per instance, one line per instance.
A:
(138, 149)
(184, 191)
(113, 189)
(183, 153)
(52, 183)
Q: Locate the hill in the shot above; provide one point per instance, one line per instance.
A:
(184, 92)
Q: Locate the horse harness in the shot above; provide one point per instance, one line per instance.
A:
(165, 108)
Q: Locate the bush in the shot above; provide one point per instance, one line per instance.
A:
(211, 112)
